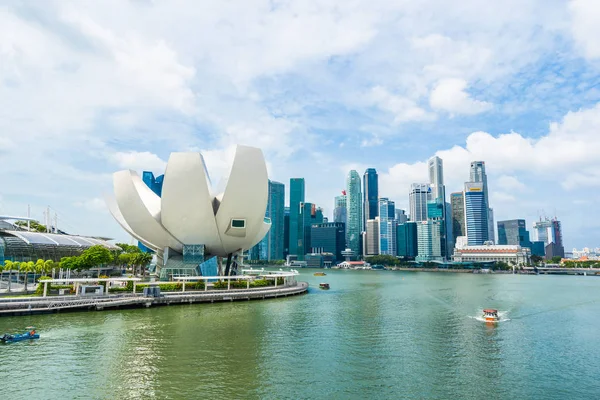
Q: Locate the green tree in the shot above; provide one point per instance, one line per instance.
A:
(128, 248)
(27, 268)
(141, 260)
(556, 259)
(8, 266)
(48, 267)
(535, 259)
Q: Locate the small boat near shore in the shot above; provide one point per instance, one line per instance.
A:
(490, 315)
(324, 286)
(29, 335)
(320, 274)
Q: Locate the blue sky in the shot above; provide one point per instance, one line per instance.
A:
(88, 88)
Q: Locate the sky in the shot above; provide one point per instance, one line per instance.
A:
(88, 88)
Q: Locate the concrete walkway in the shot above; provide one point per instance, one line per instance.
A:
(42, 305)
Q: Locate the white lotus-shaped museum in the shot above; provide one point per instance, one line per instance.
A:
(188, 214)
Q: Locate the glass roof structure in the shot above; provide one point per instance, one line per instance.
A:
(31, 246)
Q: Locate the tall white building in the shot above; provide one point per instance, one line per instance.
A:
(418, 197)
(436, 178)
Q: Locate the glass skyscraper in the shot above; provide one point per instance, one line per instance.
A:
(339, 209)
(370, 195)
(476, 214)
(406, 240)
(457, 201)
(309, 214)
(329, 238)
(429, 241)
(478, 174)
(387, 227)
(272, 244)
(418, 197)
(354, 219)
(296, 229)
(513, 232)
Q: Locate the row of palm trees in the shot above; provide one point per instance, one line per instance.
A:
(26, 267)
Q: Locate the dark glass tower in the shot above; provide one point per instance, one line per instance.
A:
(370, 195)
(296, 228)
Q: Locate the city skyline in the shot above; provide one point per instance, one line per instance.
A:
(376, 85)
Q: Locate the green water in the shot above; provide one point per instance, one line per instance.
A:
(375, 334)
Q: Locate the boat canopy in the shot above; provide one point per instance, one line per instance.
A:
(490, 311)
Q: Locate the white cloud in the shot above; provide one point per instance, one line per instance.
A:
(450, 95)
(568, 153)
(510, 183)
(139, 161)
(585, 26)
(402, 108)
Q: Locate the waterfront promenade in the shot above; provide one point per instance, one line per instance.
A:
(44, 305)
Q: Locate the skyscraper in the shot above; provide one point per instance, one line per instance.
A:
(436, 208)
(372, 237)
(275, 211)
(401, 216)
(419, 194)
(406, 240)
(436, 178)
(339, 208)
(476, 214)
(310, 214)
(387, 227)
(429, 241)
(286, 232)
(353, 212)
(371, 195)
(329, 238)
(513, 232)
(457, 201)
(478, 174)
(296, 198)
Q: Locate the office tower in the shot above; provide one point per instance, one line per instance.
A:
(296, 198)
(491, 230)
(513, 232)
(273, 241)
(457, 202)
(406, 240)
(339, 208)
(436, 212)
(429, 241)
(436, 178)
(372, 237)
(478, 174)
(286, 232)
(309, 214)
(476, 214)
(387, 227)
(329, 238)
(353, 212)
(155, 184)
(418, 197)
(370, 194)
(401, 216)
